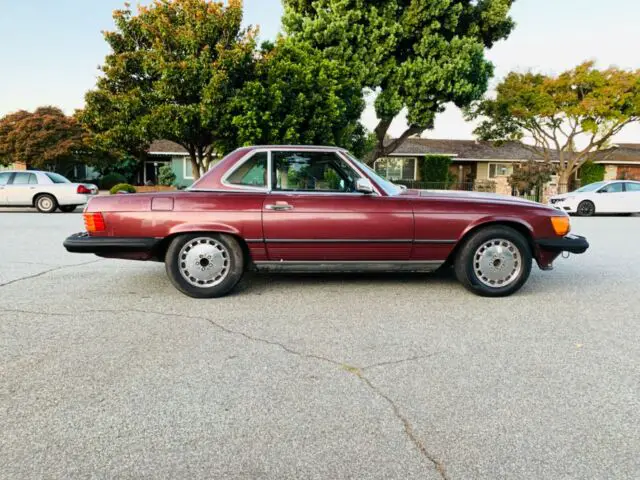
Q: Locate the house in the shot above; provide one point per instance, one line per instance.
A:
(472, 160)
(14, 166)
(165, 152)
(621, 161)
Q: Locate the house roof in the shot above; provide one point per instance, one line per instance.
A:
(165, 147)
(464, 149)
(621, 154)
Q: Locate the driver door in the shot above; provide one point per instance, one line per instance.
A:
(611, 198)
(314, 214)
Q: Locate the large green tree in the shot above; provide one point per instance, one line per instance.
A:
(563, 119)
(416, 55)
(157, 80)
(295, 96)
(41, 139)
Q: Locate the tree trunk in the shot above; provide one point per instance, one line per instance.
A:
(195, 166)
(382, 150)
(564, 178)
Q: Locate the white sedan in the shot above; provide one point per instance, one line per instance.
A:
(44, 190)
(614, 196)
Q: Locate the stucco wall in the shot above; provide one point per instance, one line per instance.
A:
(610, 172)
(482, 172)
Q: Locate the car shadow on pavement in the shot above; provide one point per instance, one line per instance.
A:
(257, 283)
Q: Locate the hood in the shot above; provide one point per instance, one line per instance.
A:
(479, 197)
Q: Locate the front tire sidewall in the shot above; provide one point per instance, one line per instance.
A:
(591, 211)
(50, 208)
(236, 266)
(464, 265)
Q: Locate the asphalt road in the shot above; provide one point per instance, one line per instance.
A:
(107, 371)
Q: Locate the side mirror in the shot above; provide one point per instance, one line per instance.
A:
(364, 185)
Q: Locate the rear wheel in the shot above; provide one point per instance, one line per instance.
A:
(586, 208)
(46, 203)
(494, 262)
(67, 208)
(204, 265)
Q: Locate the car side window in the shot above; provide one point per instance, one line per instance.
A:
(611, 188)
(308, 171)
(24, 178)
(4, 177)
(633, 187)
(252, 173)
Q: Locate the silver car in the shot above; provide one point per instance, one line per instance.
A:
(46, 191)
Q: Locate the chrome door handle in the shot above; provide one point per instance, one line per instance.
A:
(279, 206)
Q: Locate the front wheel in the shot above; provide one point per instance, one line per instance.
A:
(494, 262)
(203, 265)
(46, 203)
(586, 208)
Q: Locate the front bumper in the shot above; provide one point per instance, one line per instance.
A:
(113, 246)
(569, 243)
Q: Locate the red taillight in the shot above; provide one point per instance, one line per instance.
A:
(83, 189)
(94, 222)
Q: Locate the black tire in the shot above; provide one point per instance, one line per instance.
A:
(518, 263)
(586, 208)
(46, 203)
(67, 208)
(228, 248)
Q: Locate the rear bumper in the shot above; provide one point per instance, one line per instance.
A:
(112, 246)
(570, 243)
(75, 199)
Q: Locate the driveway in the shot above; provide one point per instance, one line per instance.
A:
(107, 371)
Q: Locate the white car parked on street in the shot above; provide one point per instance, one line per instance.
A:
(44, 190)
(614, 196)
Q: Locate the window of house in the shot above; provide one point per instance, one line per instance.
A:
(498, 170)
(24, 178)
(312, 171)
(187, 168)
(396, 168)
(252, 173)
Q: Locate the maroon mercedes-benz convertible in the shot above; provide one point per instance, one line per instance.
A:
(319, 208)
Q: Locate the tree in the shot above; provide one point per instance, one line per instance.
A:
(295, 96)
(160, 79)
(530, 175)
(563, 119)
(416, 54)
(41, 139)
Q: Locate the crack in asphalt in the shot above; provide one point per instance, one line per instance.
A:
(356, 371)
(402, 360)
(44, 272)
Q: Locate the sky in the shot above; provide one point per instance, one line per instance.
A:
(50, 50)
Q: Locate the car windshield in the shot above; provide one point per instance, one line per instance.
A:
(56, 177)
(388, 187)
(592, 187)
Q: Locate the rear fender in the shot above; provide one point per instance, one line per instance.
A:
(204, 227)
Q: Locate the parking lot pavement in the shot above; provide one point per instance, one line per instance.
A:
(107, 371)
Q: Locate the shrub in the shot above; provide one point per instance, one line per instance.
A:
(435, 168)
(122, 187)
(166, 176)
(591, 172)
(108, 181)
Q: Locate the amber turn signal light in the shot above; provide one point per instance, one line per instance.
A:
(561, 225)
(94, 222)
